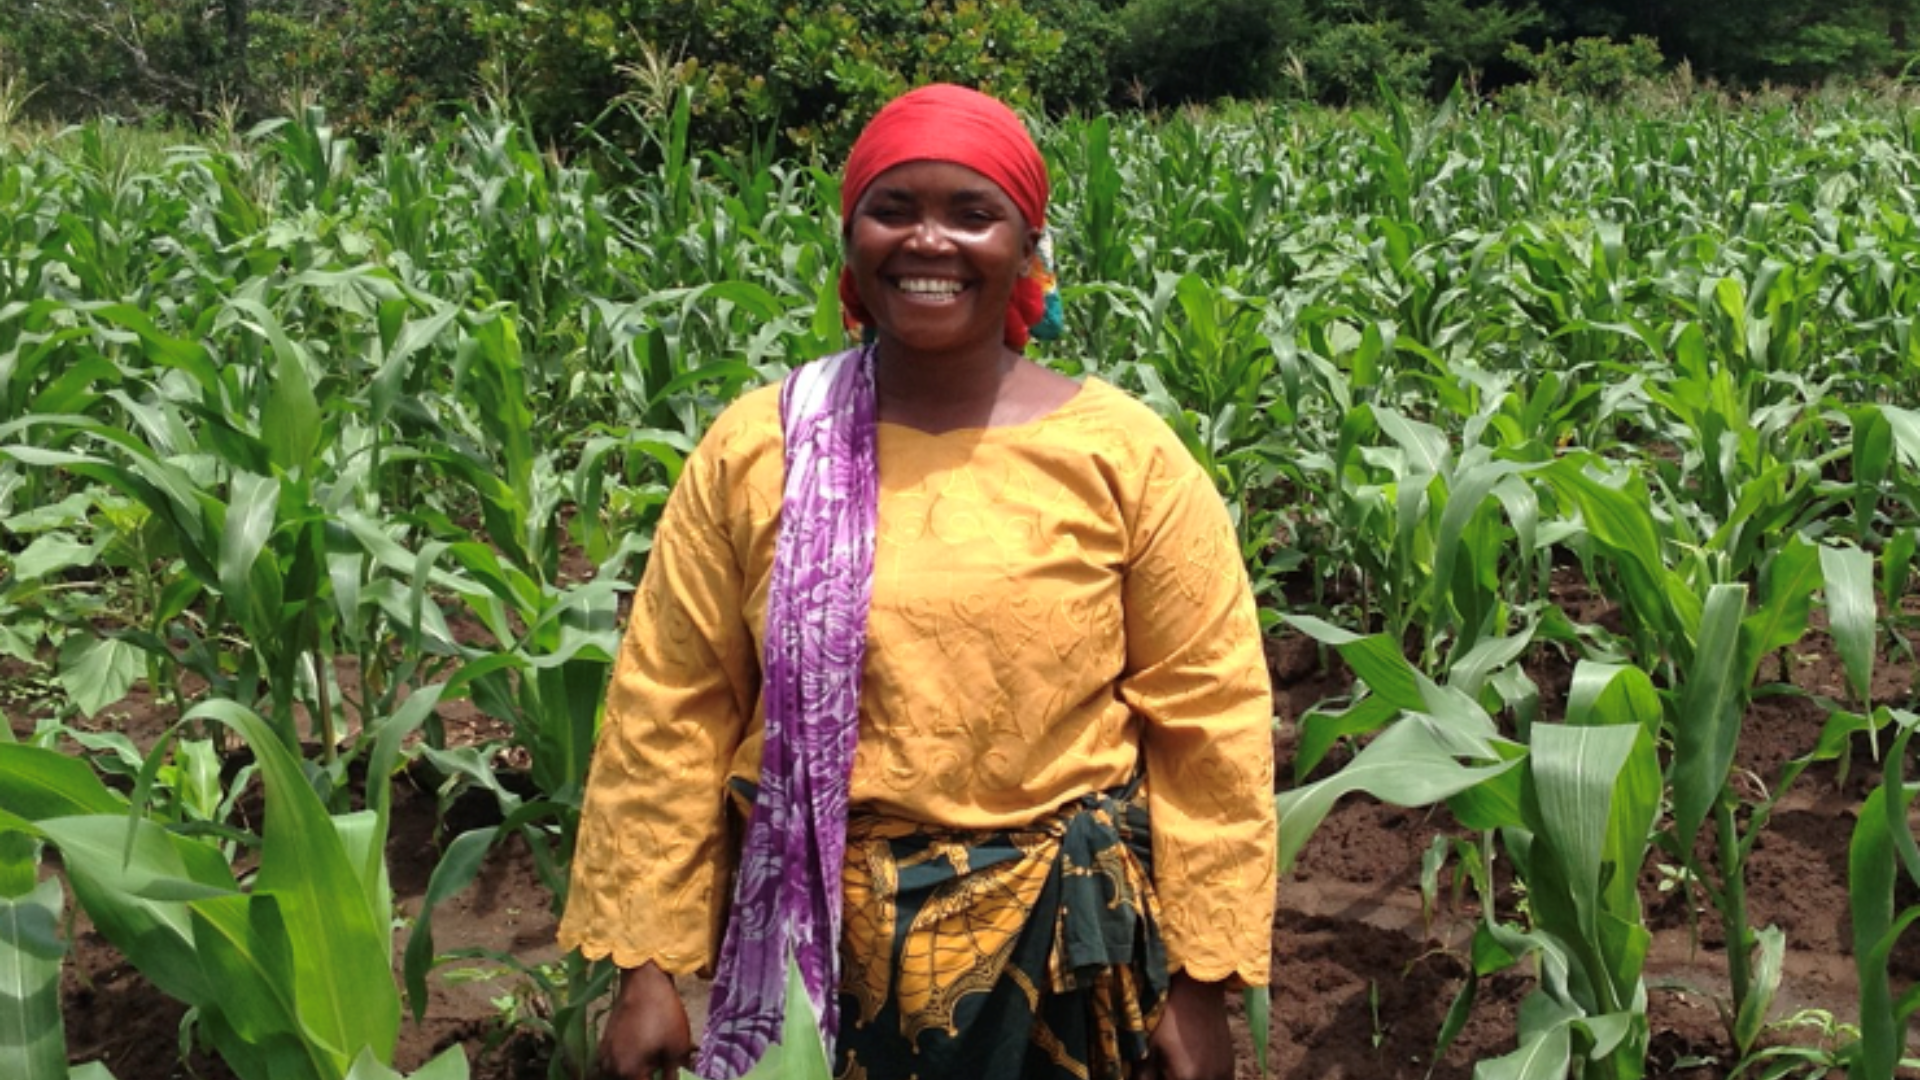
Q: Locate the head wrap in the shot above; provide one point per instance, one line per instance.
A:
(949, 123)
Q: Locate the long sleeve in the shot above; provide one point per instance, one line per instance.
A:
(653, 856)
(1197, 675)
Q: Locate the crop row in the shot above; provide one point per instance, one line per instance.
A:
(310, 438)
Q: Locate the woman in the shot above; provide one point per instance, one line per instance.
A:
(975, 644)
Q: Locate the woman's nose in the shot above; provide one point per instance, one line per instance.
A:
(929, 234)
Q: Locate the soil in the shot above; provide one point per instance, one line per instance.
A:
(1364, 971)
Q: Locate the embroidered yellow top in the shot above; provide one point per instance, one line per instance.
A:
(1053, 603)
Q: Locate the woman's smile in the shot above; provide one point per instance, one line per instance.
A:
(928, 288)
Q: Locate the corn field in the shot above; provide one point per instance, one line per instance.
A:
(311, 441)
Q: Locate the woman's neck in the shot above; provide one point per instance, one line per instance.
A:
(944, 393)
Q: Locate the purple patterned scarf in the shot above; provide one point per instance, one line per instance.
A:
(787, 899)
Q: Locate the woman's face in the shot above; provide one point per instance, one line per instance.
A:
(935, 249)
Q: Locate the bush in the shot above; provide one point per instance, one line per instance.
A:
(125, 59)
(1080, 74)
(1348, 63)
(1596, 67)
(811, 72)
(1178, 51)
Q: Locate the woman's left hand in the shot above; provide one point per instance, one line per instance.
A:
(1191, 1041)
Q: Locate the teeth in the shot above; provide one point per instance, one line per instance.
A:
(934, 286)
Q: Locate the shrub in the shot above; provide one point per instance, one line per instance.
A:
(1080, 74)
(1597, 67)
(1197, 50)
(808, 70)
(1348, 63)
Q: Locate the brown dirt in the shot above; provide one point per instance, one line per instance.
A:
(1363, 973)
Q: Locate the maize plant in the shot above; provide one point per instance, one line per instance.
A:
(312, 438)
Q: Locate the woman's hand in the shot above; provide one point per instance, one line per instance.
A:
(647, 1033)
(1192, 1041)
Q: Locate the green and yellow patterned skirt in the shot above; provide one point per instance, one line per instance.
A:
(1030, 954)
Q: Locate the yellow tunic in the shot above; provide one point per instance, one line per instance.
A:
(1052, 602)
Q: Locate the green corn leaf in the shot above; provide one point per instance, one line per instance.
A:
(1425, 445)
(1871, 459)
(243, 536)
(1894, 777)
(33, 1044)
(37, 783)
(19, 862)
(1458, 1013)
(828, 326)
(1766, 983)
(1259, 1002)
(391, 379)
(197, 784)
(1494, 803)
(1712, 706)
(1517, 497)
(1574, 773)
(1409, 764)
(1870, 881)
(1376, 659)
(1468, 491)
(290, 417)
(343, 984)
(363, 837)
(1791, 577)
(1608, 1032)
(390, 736)
(1543, 1055)
(1851, 614)
(803, 1055)
(1613, 694)
(1471, 672)
(1320, 731)
(1591, 801)
(455, 871)
(243, 943)
(136, 894)
(449, 1065)
(1905, 425)
(187, 356)
(1622, 519)
(1896, 566)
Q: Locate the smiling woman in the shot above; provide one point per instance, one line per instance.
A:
(969, 648)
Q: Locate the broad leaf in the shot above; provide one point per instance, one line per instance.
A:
(51, 554)
(97, 671)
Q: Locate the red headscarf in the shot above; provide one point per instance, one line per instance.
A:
(952, 123)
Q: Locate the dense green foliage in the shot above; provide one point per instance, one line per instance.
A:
(805, 74)
(278, 414)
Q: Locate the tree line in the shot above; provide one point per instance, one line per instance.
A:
(803, 73)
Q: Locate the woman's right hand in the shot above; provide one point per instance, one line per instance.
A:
(647, 1033)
